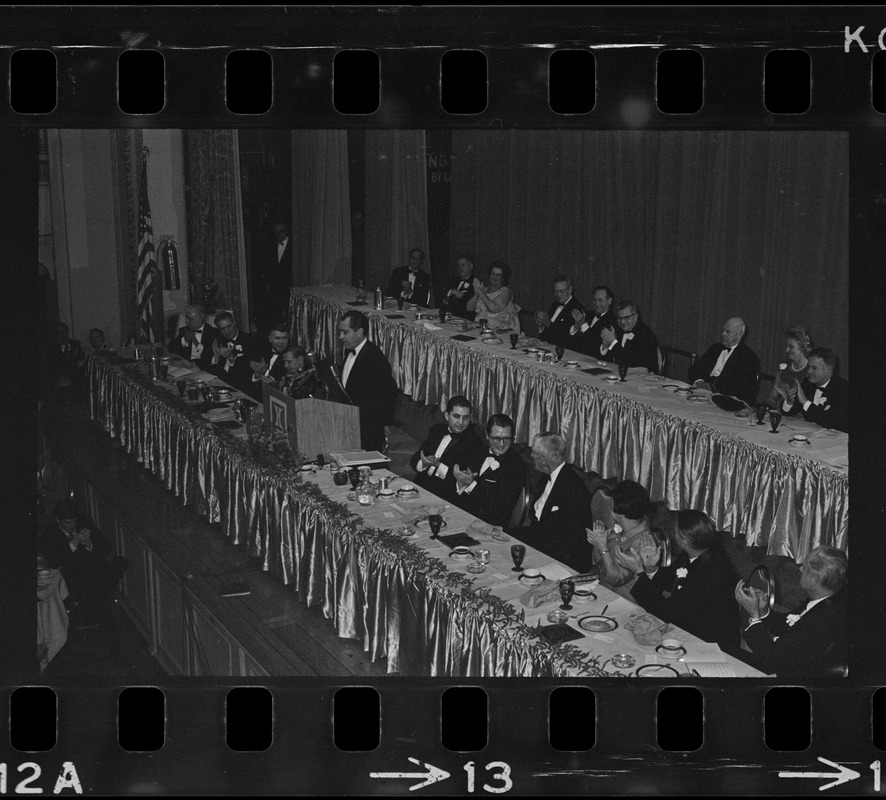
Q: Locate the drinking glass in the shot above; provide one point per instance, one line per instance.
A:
(559, 350)
(514, 337)
(164, 372)
(435, 522)
(354, 477)
(760, 410)
(238, 411)
(774, 420)
(206, 392)
(399, 302)
(339, 478)
(181, 385)
(193, 392)
(622, 371)
(518, 553)
(483, 323)
(567, 589)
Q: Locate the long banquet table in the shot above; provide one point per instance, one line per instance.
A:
(403, 597)
(750, 481)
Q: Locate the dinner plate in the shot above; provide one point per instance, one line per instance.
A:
(657, 671)
(492, 340)
(794, 443)
(684, 390)
(461, 556)
(386, 498)
(570, 366)
(533, 579)
(653, 378)
(597, 624)
(610, 378)
(670, 387)
(426, 526)
(698, 398)
(672, 655)
(407, 492)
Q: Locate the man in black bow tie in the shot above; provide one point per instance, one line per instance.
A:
(584, 336)
(411, 283)
(822, 398)
(813, 642)
(635, 344)
(231, 353)
(558, 516)
(730, 366)
(267, 360)
(555, 325)
(491, 492)
(452, 442)
(194, 341)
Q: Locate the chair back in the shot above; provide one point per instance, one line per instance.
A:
(664, 542)
(662, 359)
(601, 507)
(520, 514)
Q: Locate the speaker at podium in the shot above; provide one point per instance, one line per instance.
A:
(314, 426)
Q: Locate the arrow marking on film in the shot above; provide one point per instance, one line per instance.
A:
(432, 775)
(843, 774)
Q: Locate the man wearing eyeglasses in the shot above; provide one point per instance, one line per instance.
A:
(491, 492)
(555, 325)
(634, 344)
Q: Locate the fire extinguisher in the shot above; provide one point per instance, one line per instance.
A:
(169, 259)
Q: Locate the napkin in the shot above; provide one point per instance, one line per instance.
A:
(429, 326)
(202, 375)
(457, 540)
(219, 414)
(647, 629)
(557, 634)
(178, 372)
(541, 594)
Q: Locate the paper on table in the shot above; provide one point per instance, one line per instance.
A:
(704, 653)
(201, 375)
(555, 572)
(711, 670)
(178, 372)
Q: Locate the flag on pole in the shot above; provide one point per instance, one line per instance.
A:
(146, 259)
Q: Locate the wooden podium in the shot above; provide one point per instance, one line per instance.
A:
(315, 426)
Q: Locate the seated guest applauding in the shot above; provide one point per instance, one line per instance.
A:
(555, 325)
(411, 283)
(730, 366)
(461, 288)
(299, 380)
(231, 353)
(559, 515)
(630, 530)
(635, 344)
(797, 347)
(449, 443)
(491, 492)
(267, 364)
(696, 591)
(495, 303)
(584, 336)
(194, 341)
(822, 397)
(97, 342)
(814, 642)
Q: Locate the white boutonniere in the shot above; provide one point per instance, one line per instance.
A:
(682, 572)
(555, 508)
(792, 619)
(493, 465)
(782, 366)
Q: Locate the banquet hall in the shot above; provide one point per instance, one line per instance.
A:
(223, 563)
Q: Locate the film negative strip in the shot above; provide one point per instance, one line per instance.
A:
(230, 670)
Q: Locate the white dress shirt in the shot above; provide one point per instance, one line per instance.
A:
(281, 249)
(540, 503)
(196, 345)
(721, 361)
(256, 377)
(487, 463)
(349, 363)
(437, 470)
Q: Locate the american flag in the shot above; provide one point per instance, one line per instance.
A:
(146, 260)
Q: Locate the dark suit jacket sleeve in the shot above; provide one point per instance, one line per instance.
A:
(497, 491)
(740, 376)
(428, 446)
(642, 351)
(701, 369)
(835, 412)
(394, 284)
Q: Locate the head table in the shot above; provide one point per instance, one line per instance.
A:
(690, 454)
(403, 596)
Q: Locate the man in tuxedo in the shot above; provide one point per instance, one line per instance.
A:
(730, 366)
(584, 336)
(231, 353)
(450, 443)
(461, 288)
(822, 398)
(491, 492)
(411, 283)
(813, 642)
(367, 379)
(277, 273)
(267, 359)
(195, 340)
(555, 325)
(634, 344)
(695, 592)
(562, 510)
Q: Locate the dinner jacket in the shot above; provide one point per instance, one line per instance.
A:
(589, 341)
(497, 490)
(372, 389)
(815, 645)
(239, 374)
(459, 306)
(834, 413)
(277, 278)
(641, 351)
(702, 603)
(466, 450)
(421, 289)
(87, 573)
(181, 347)
(741, 372)
(560, 532)
(264, 350)
(557, 333)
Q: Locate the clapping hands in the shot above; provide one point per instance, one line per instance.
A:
(259, 367)
(644, 559)
(598, 536)
(579, 317)
(607, 335)
(428, 461)
(754, 601)
(464, 476)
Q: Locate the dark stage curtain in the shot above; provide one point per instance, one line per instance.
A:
(694, 226)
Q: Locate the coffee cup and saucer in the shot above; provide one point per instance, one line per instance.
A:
(671, 649)
(798, 440)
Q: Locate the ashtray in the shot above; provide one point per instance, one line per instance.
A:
(623, 661)
(476, 568)
(557, 616)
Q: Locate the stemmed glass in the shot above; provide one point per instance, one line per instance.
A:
(518, 553)
(559, 350)
(514, 337)
(760, 411)
(435, 522)
(774, 420)
(622, 372)
(567, 589)
(181, 386)
(354, 477)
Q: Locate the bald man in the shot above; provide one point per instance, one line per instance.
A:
(730, 366)
(194, 340)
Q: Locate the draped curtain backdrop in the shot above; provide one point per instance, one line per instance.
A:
(321, 208)
(694, 226)
(212, 196)
(396, 202)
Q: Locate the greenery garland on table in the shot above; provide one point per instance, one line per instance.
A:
(385, 544)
